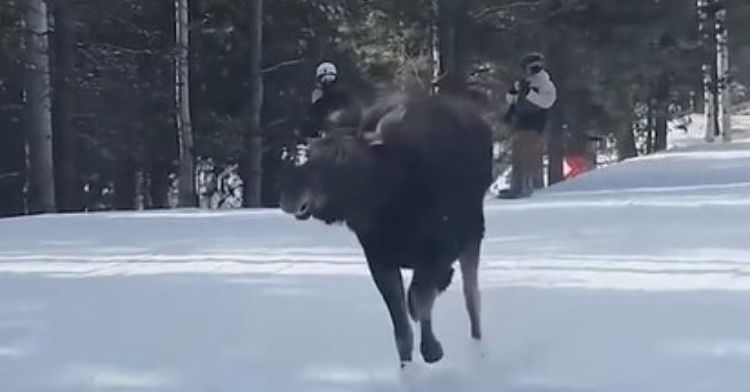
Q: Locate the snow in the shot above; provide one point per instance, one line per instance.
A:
(635, 277)
(693, 130)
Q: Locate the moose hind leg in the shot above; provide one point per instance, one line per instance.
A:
(422, 294)
(469, 260)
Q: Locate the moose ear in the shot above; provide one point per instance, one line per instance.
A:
(395, 115)
(391, 119)
(373, 138)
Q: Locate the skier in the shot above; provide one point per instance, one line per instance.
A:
(332, 106)
(530, 100)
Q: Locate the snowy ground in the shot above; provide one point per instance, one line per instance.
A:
(632, 278)
(693, 130)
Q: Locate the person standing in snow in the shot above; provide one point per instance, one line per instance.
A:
(332, 106)
(530, 100)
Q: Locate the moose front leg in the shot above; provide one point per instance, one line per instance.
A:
(390, 284)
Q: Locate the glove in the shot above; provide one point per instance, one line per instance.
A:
(512, 97)
(523, 86)
(316, 95)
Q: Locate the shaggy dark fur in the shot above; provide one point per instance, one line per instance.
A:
(415, 201)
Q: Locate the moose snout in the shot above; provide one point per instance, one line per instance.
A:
(300, 207)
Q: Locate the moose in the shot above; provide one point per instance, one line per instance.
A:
(411, 185)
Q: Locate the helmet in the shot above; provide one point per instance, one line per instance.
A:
(532, 60)
(326, 72)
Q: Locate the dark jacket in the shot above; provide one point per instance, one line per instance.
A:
(332, 107)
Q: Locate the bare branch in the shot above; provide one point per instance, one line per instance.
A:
(8, 175)
(92, 58)
(436, 81)
(123, 49)
(282, 64)
(11, 106)
(504, 8)
(276, 122)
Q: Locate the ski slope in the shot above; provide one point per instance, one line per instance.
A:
(632, 278)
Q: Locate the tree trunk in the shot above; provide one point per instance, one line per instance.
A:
(555, 148)
(435, 45)
(558, 64)
(451, 31)
(661, 111)
(706, 27)
(12, 161)
(38, 109)
(65, 138)
(251, 169)
(626, 148)
(661, 117)
(650, 128)
(187, 196)
(158, 183)
(125, 185)
(539, 173)
(724, 118)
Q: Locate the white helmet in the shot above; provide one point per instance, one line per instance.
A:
(326, 72)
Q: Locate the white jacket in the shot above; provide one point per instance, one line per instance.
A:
(542, 93)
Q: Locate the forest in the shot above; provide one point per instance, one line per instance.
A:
(134, 104)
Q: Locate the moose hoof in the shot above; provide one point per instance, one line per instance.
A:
(432, 351)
